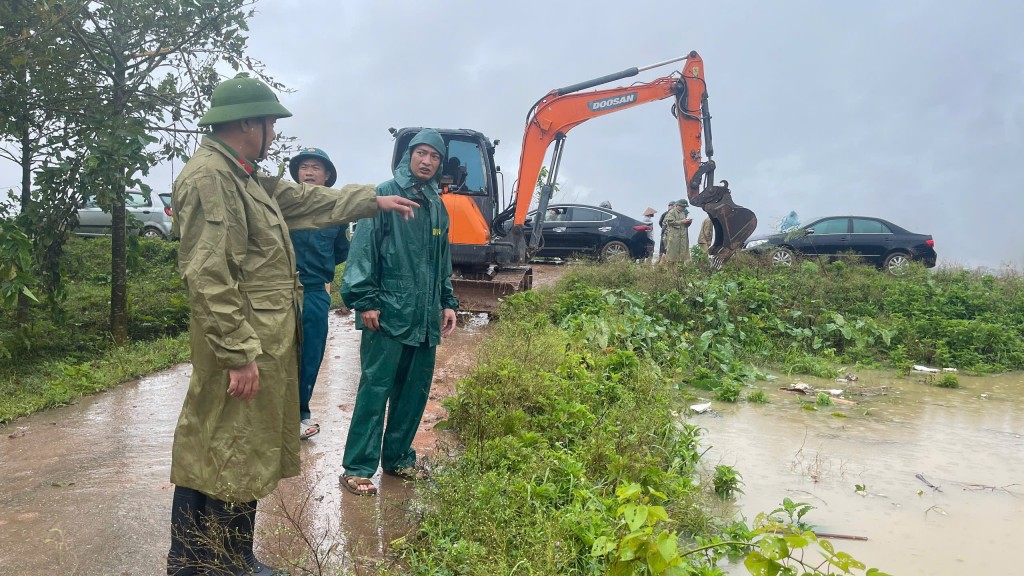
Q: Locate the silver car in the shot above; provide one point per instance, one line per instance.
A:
(152, 211)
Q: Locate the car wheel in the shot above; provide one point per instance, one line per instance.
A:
(614, 251)
(782, 256)
(152, 234)
(896, 263)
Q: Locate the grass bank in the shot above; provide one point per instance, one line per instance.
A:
(576, 457)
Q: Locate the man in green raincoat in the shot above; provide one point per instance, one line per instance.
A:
(398, 280)
(677, 223)
(235, 436)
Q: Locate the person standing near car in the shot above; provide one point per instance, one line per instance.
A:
(317, 254)
(662, 246)
(235, 437)
(398, 280)
(677, 222)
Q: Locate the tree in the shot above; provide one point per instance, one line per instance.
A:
(153, 64)
(39, 99)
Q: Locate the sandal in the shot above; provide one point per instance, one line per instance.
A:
(308, 429)
(358, 485)
(409, 473)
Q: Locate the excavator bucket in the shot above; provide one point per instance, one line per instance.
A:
(733, 224)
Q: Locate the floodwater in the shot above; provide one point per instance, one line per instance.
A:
(967, 442)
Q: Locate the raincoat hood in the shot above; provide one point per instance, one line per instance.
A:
(403, 174)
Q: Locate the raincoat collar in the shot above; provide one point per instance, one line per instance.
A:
(241, 163)
(403, 174)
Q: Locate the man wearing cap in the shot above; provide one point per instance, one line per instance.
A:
(235, 437)
(317, 254)
(677, 223)
(398, 280)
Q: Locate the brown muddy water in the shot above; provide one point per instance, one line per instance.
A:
(968, 442)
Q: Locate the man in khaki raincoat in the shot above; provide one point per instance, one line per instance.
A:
(235, 436)
(677, 223)
(706, 236)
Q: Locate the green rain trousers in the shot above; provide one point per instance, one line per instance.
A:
(401, 268)
(398, 376)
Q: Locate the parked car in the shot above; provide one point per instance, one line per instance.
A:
(153, 212)
(878, 241)
(577, 229)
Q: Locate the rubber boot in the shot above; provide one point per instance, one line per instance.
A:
(236, 523)
(189, 542)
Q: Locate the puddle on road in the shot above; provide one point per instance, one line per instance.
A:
(968, 441)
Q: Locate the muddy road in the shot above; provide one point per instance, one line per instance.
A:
(84, 488)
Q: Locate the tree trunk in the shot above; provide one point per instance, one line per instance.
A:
(118, 271)
(21, 316)
(119, 238)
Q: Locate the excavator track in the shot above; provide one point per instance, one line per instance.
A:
(484, 291)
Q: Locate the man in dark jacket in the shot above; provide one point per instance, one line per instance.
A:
(398, 280)
(317, 254)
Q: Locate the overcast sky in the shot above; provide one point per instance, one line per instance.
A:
(910, 110)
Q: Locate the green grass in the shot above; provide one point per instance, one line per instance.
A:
(57, 382)
(568, 429)
(64, 352)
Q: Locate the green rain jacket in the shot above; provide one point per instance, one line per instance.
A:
(403, 267)
(237, 263)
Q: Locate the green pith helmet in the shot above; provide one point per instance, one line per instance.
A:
(293, 164)
(682, 203)
(242, 97)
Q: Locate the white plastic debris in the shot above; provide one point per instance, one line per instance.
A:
(926, 369)
(701, 408)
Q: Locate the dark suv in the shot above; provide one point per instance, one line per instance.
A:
(577, 229)
(878, 241)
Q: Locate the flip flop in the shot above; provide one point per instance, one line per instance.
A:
(353, 483)
(308, 429)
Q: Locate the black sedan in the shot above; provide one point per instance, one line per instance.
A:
(878, 241)
(576, 229)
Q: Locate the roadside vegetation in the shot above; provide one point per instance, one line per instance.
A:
(63, 352)
(575, 456)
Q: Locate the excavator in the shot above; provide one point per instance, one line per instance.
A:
(492, 242)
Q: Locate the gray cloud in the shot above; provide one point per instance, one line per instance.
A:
(911, 111)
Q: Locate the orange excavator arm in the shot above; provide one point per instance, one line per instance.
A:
(562, 109)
